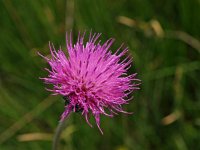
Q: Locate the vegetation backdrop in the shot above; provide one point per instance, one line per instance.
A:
(163, 37)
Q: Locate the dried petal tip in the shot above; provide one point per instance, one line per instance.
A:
(92, 78)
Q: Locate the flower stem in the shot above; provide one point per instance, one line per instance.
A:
(61, 126)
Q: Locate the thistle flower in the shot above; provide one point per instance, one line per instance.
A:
(92, 78)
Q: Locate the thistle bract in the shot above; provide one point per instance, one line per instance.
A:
(94, 80)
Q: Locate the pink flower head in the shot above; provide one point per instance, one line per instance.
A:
(92, 78)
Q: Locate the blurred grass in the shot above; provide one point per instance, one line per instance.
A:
(163, 37)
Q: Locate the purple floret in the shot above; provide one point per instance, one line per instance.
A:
(91, 77)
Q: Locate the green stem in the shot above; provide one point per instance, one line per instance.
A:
(61, 126)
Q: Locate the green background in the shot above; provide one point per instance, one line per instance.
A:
(163, 38)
